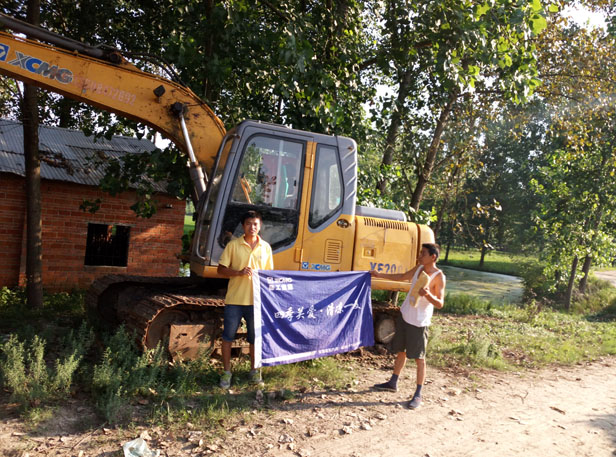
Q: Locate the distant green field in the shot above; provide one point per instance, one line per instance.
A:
(189, 224)
(494, 262)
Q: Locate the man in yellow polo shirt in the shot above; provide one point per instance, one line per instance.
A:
(240, 258)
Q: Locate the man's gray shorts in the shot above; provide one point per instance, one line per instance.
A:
(410, 339)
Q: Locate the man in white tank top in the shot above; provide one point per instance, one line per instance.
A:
(427, 292)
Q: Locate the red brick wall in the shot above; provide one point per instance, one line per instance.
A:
(12, 215)
(153, 247)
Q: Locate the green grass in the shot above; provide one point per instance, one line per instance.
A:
(189, 224)
(130, 387)
(471, 331)
(494, 262)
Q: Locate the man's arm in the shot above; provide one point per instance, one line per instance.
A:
(227, 272)
(395, 276)
(225, 260)
(435, 292)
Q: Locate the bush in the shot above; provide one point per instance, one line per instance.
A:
(599, 295)
(125, 372)
(26, 374)
(479, 351)
(466, 304)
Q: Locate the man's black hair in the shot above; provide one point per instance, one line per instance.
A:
(432, 248)
(251, 215)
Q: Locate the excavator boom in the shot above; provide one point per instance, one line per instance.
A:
(119, 88)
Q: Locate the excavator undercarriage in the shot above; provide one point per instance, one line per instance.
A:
(186, 314)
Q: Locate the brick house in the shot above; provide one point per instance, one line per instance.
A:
(79, 246)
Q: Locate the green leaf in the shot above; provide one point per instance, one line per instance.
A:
(481, 10)
(536, 5)
(539, 23)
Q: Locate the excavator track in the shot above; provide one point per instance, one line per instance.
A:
(186, 312)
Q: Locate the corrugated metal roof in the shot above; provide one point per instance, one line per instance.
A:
(67, 155)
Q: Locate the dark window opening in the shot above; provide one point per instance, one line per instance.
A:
(107, 245)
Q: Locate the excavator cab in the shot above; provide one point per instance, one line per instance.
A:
(294, 179)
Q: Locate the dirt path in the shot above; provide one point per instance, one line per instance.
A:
(569, 411)
(557, 412)
(609, 275)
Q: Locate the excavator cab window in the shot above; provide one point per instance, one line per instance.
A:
(268, 181)
(327, 186)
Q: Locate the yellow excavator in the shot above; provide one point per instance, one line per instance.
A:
(304, 184)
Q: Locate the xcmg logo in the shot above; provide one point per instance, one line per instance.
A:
(4, 51)
(36, 66)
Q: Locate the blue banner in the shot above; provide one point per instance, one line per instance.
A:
(305, 315)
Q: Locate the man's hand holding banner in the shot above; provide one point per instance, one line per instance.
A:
(305, 315)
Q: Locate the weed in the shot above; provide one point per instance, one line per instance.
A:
(36, 415)
(598, 296)
(60, 311)
(479, 351)
(324, 372)
(124, 373)
(26, 375)
(466, 304)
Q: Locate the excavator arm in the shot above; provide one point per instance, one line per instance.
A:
(169, 108)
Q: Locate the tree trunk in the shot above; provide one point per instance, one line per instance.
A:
(449, 241)
(574, 265)
(484, 250)
(392, 131)
(426, 171)
(30, 119)
(585, 270)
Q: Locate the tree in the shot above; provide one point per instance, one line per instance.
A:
(577, 183)
(436, 54)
